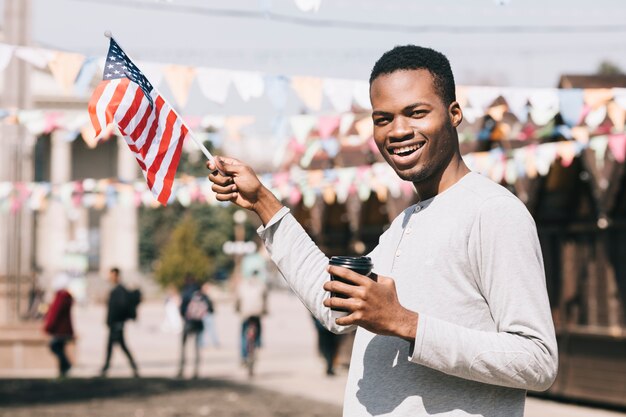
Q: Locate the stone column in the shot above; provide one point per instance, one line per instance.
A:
(119, 229)
(53, 226)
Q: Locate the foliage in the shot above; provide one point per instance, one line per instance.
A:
(609, 68)
(213, 226)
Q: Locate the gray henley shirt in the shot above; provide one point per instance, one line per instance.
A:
(469, 262)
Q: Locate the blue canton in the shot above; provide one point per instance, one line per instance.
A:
(118, 65)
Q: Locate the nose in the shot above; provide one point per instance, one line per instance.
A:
(400, 129)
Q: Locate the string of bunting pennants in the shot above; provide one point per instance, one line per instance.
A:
(299, 185)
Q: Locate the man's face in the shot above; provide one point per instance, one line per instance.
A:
(113, 278)
(413, 129)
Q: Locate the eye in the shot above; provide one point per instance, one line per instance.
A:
(381, 121)
(416, 114)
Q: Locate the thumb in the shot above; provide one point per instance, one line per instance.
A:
(229, 166)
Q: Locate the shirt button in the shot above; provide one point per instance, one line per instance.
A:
(417, 208)
(408, 231)
(398, 253)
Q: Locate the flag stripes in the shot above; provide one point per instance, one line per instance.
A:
(152, 130)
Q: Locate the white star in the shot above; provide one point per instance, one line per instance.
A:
(108, 75)
(112, 58)
(116, 71)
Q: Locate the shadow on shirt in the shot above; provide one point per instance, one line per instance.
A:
(389, 379)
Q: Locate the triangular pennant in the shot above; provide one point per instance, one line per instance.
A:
(544, 157)
(6, 53)
(339, 93)
(214, 83)
(617, 145)
(326, 125)
(595, 117)
(617, 115)
(365, 128)
(482, 97)
(347, 120)
(179, 78)
(301, 126)
(619, 96)
(580, 134)
(277, 88)
(597, 97)
(599, 145)
(309, 90)
(234, 124)
(248, 84)
(86, 76)
(517, 99)
(571, 103)
(567, 152)
(361, 94)
(65, 68)
(544, 98)
(35, 56)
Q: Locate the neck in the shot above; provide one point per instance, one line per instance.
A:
(453, 172)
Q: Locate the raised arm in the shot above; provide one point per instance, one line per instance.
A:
(299, 260)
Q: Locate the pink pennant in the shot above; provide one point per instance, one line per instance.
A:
(617, 145)
(326, 125)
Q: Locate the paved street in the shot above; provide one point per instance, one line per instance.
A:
(288, 362)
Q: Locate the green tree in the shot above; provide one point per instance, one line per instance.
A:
(182, 256)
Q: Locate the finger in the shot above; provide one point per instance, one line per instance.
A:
(230, 166)
(219, 189)
(348, 320)
(349, 275)
(339, 287)
(220, 179)
(346, 304)
(226, 197)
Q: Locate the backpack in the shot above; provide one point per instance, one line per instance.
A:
(133, 299)
(197, 308)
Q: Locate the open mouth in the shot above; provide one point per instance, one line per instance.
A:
(406, 150)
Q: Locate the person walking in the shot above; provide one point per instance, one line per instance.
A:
(251, 304)
(328, 346)
(209, 332)
(455, 320)
(58, 323)
(120, 309)
(194, 307)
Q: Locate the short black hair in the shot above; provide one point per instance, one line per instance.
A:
(116, 271)
(412, 57)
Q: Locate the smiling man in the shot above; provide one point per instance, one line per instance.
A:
(458, 321)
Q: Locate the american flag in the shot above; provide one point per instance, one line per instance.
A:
(151, 128)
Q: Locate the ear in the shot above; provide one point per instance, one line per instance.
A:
(456, 114)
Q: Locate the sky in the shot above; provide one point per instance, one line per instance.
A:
(524, 43)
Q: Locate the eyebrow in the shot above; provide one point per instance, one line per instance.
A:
(404, 110)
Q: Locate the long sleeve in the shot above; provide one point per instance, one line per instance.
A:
(301, 263)
(507, 263)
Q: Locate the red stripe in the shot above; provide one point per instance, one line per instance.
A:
(141, 164)
(153, 128)
(132, 110)
(93, 103)
(165, 143)
(136, 134)
(116, 100)
(168, 180)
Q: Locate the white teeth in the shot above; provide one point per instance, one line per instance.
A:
(406, 149)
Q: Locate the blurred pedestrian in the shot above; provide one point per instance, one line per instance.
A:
(194, 307)
(209, 333)
(328, 345)
(251, 304)
(120, 309)
(59, 323)
(172, 321)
